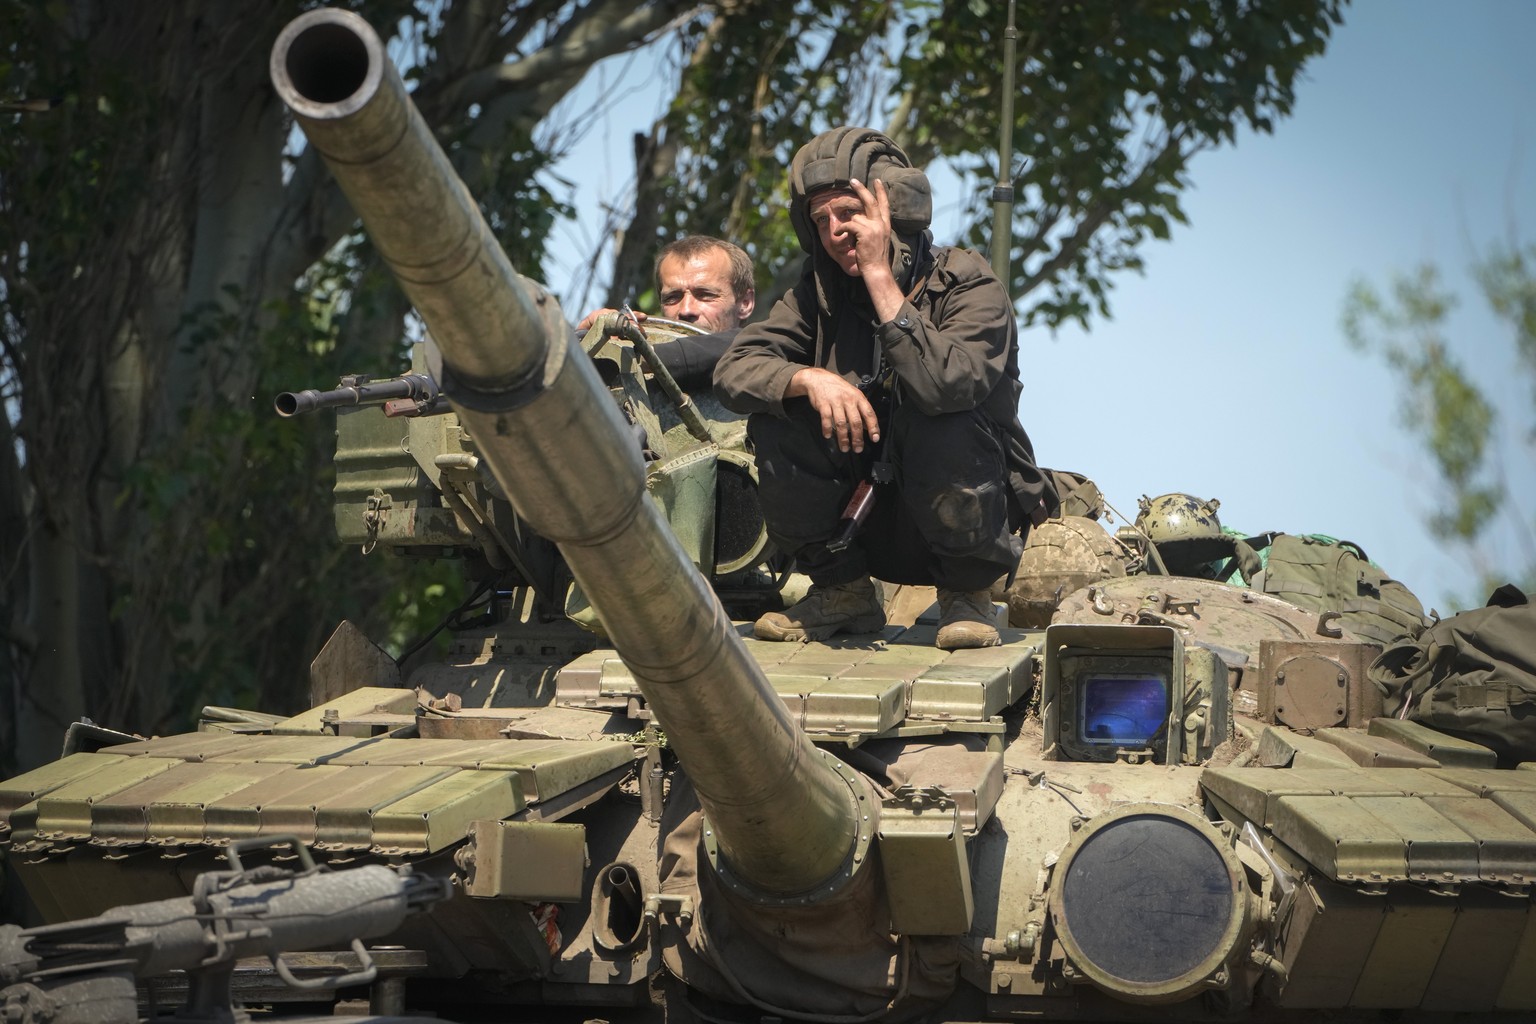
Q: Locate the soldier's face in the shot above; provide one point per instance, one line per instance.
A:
(831, 213)
(698, 291)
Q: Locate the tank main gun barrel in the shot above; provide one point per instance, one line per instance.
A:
(785, 821)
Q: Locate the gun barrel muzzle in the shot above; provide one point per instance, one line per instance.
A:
(293, 403)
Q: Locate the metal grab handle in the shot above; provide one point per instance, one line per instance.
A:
(363, 976)
(628, 327)
(239, 846)
(1148, 617)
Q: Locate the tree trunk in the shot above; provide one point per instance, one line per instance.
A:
(56, 694)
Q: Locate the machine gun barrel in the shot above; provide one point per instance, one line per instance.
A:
(314, 911)
(261, 912)
(785, 821)
(417, 390)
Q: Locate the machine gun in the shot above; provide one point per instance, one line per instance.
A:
(83, 971)
(411, 394)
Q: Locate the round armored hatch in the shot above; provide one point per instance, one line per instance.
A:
(1148, 902)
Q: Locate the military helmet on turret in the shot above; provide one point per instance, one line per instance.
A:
(1178, 517)
(1061, 556)
(1185, 529)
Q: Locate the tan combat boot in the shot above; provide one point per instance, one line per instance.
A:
(966, 619)
(825, 611)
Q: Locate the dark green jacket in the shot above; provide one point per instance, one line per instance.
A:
(953, 347)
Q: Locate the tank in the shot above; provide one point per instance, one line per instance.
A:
(1175, 801)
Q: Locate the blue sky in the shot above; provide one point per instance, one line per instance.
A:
(1413, 139)
(1224, 371)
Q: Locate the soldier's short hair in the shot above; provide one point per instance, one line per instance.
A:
(692, 246)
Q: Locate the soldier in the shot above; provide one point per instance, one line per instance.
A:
(892, 361)
(706, 282)
(700, 280)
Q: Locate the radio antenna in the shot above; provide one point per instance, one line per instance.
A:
(1002, 192)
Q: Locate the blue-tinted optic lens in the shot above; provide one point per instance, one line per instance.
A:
(1123, 710)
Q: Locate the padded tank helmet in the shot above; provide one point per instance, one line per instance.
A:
(836, 157)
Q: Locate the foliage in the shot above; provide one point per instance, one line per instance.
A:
(171, 256)
(1112, 101)
(163, 537)
(1442, 404)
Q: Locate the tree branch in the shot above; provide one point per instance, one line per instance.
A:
(602, 30)
(1094, 217)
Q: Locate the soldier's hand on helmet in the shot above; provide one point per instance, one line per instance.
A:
(846, 415)
(872, 228)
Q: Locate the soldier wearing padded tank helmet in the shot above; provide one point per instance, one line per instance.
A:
(895, 360)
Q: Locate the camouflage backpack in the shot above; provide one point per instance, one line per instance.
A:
(1324, 575)
(1472, 675)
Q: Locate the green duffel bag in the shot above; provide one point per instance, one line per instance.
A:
(1472, 675)
(1322, 574)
